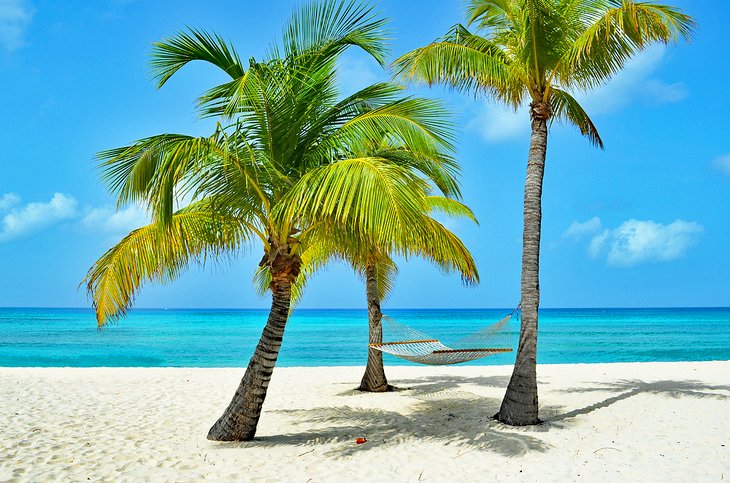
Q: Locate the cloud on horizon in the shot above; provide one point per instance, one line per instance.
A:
(15, 17)
(636, 241)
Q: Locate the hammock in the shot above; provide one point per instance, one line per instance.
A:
(415, 346)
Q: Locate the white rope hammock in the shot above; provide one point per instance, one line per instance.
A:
(415, 346)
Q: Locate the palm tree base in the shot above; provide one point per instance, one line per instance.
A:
(515, 420)
(219, 433)
(382, 388)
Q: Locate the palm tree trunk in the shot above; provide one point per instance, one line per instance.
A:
(519, 406)
(374, 379)
(239, 421)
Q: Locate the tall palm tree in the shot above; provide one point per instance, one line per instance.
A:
(538, 51)
(283, 125)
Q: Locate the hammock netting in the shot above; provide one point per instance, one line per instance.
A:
(415, 346)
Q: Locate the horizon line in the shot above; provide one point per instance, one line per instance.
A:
(391, 308)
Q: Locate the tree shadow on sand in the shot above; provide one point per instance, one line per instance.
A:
(627, 388)
(458, 422)
(423, 387)
(450, 417)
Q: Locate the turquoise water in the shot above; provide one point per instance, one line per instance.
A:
(226, 338)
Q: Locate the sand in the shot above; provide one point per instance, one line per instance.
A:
(603, 422)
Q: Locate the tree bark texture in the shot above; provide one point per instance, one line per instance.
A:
(519, 406)
(374, 379)
(241, 417)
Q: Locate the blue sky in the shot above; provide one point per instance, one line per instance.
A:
(643, 223)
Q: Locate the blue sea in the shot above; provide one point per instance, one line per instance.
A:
(226, 338)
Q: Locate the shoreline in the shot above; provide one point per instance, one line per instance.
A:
(662, 421)
(340, 366)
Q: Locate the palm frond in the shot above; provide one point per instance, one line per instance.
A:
(159, 253)
(566, 108)
(616, 30)
(490, 14)
(315, 257)
(386, 271)
(174, 53)
(319, 31)
(368, 196)
(466, 62)
(159, 169)
(150, 169)
(442, 247)
(450, 207)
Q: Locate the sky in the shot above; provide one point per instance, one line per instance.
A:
(643, 223)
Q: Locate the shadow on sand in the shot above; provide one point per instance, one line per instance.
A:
(444, 412)
(627, 388)
(449, 419)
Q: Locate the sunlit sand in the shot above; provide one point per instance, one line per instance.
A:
(629, 422)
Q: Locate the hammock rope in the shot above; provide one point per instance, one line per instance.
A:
(415, 346)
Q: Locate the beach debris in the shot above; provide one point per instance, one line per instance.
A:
(306, 452)
(607, 447)
(361, 441)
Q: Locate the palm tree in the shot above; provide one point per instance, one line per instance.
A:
(377, 267)
(374, 262)
(537, 51)
(284, 126)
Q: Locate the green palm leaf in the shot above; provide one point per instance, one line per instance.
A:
(174, 53)
(157, 253)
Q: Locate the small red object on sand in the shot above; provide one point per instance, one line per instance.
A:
(361, 440)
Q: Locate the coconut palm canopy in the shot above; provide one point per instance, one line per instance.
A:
(538, 52)
(288, 155)
(291, 166)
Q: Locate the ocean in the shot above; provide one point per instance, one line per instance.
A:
(46, 337)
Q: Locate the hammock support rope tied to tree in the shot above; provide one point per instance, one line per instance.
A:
(415, 346)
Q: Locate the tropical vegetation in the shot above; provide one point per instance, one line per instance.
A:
(538, 52)
(378, 268)
(292, 166)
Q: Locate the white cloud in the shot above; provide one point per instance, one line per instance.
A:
(19, 220)
(8, 200)
(577, 229)
(663, 93)
(500, 123)
(635, 83)
(636, 241)
(116, 222)
(35, 216)
(597, 242)
(15, 16)
(722, 164)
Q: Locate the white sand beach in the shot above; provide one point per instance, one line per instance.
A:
(603, 422)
